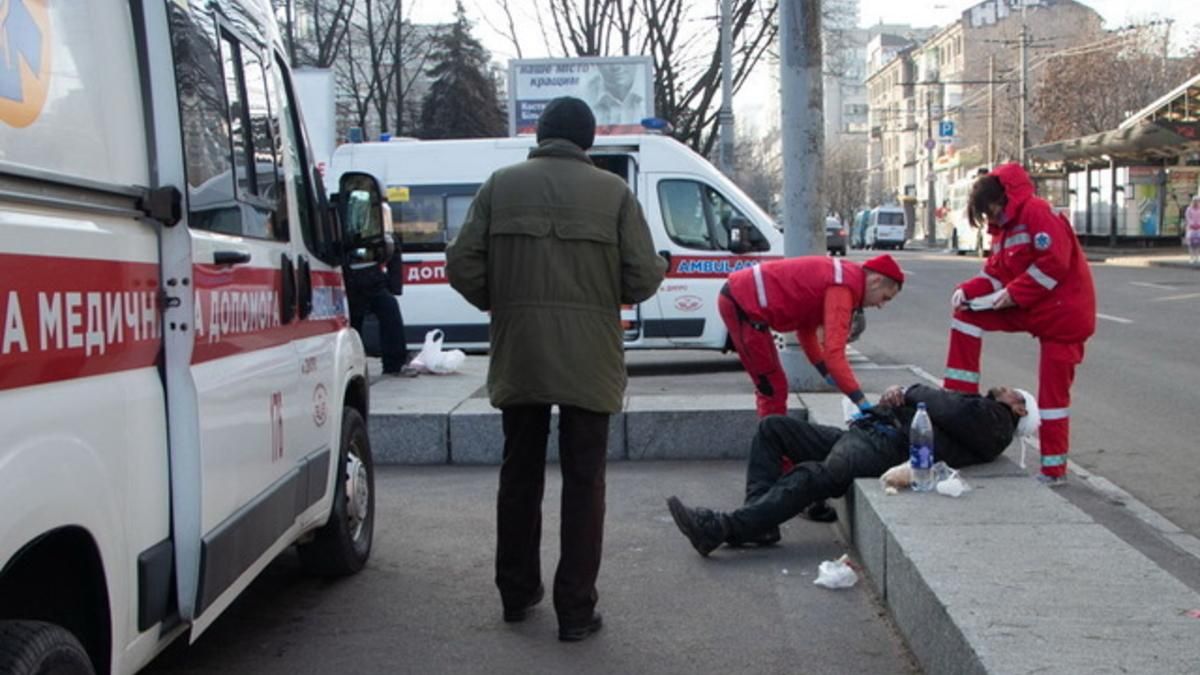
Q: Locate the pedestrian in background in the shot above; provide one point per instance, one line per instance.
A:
(553, 247)
(1036, 280)
(1191, 236)
(372, 283)
(803, 294)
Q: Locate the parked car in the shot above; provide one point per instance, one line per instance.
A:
(835, 236)
(886, 228)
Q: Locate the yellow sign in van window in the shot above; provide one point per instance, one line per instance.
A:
(396, 193)
(25, 74)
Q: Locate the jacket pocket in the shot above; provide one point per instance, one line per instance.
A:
(527, 225)
(602, 231)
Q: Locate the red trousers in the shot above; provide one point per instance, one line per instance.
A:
(1056, 373)
(756, 348)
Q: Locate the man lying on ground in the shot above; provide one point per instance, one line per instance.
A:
(968, 429)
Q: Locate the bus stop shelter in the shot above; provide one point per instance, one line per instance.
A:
(1130, 186)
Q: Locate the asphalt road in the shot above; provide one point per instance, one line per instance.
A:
(426, 602)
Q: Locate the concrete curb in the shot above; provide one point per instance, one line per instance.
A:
(1043, 586)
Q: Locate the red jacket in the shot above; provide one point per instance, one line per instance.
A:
(1037, 257)
(803, 295)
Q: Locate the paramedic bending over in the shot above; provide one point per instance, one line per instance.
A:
(803, 295)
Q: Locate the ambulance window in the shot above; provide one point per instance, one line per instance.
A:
(430, 216)
(300, 178)
(268, 217)
(204, 115)
(683, 210)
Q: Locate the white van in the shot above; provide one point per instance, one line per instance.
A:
(182, 395)
(965, 237)
(886, 228)
(701, 222)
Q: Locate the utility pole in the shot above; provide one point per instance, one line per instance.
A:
(1024, 131)
(931, 192)
(991, 134)
(802, 126)
(726, 114)
(399, 66)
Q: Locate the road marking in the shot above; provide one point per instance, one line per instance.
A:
(1185, 296)
(1147, 284)
(1117, 319)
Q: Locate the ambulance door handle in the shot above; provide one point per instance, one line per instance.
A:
(231, 257)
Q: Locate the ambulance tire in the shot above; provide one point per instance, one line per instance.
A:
(341, 547)
(40, 648)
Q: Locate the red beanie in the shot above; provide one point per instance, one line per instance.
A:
(886, 265)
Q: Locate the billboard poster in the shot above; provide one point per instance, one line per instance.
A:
(618, 89)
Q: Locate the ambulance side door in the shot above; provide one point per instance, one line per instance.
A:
(698, 230)
(244, 363)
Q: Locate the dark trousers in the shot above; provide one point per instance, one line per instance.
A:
(582, 442)
(367, 292)
(827, 460)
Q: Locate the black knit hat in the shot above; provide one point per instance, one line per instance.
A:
(568, 118)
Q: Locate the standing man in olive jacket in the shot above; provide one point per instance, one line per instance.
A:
(552, 247)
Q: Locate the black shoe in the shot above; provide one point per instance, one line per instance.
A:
(577, 633)
(519, 613)
(704, 528)
(821, 512)
(768, 537)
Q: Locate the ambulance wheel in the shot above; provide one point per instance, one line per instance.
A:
(341, 547)
(40, 648)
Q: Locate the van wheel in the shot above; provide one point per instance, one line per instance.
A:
(341, 547)
(40, 648)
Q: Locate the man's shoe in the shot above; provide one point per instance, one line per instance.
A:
(520, 613)
(821, 512)
(577, 633)
(704, 528)
(768, 537)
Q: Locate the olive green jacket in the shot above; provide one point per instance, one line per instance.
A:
(552, 247)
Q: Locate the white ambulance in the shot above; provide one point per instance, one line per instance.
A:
(702, 223)
(181, 395)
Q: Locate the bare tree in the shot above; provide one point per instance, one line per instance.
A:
(1094, 90)
(314, 30)
(759, 165)
(845, 180)
(681, 42)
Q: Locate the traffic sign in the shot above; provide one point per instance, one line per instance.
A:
(946, 128)
(930, 144)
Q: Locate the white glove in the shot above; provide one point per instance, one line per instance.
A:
(958, 299)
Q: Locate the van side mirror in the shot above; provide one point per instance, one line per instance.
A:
(359, 203)
(740, 235)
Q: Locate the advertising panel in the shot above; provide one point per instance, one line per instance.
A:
(618, 89)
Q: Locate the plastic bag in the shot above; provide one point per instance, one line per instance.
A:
(899, 476)
(947, 481)
(431, 358)
(836, 573)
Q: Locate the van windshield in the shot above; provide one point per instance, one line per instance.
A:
(429, 216)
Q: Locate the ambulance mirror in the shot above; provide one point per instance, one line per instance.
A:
(360, 210)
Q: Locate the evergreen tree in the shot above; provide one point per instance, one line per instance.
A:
(462, 101)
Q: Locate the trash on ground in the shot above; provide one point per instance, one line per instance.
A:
(432, 359)
(948, 482)
(899, 476)
(1195, 613)
(836, 573)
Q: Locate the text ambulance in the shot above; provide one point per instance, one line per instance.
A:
(181, 396)
(701, 222)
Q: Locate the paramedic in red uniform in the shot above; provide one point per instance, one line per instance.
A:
(802, 294)
(1042, 285)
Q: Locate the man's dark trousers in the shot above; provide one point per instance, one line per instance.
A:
(827, 460)
(367, 291)
(582, 443)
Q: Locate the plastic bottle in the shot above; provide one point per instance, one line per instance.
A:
(920, 450)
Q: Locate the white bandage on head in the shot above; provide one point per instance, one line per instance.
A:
(1027, 427)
